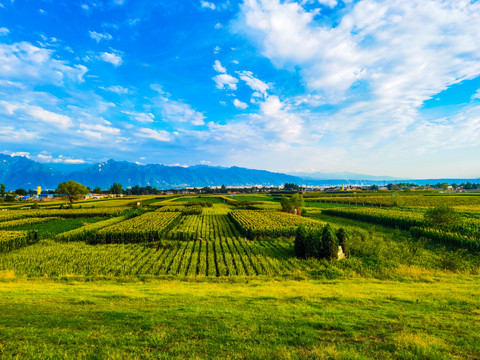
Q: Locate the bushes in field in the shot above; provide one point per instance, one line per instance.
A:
(192, 210)
(343, 241)
(443, 217)
(265, 223)
(449, 239)
(144, 228)
(85, 233)
(11, 240)
(319, 243)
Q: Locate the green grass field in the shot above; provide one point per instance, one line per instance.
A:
(352, 319)
(224, 296)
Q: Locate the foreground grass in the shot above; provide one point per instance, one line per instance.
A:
(259, 320)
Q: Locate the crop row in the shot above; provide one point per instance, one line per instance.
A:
(225, 256)
(28, 221)
(446, 238)
(143, 228)
(413, 201)
(64, 213)
(11, 240)
(254, 223)
(386, 217)
(403, 219)
(85, 232)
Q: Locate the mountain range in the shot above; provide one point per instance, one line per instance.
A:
(20, 172)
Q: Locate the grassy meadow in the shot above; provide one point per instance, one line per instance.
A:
(181, 278)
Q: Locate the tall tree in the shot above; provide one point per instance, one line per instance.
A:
(2, 190)
(72, 190)
(116, 189)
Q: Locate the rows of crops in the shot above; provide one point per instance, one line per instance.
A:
(256, 223)
(27, 221)
(227, 254)
(387, 217)
(64, 213)
(465, 235)
(86, 232)
(413, 201)
(402, 219)
(143, 228)
(11, 240)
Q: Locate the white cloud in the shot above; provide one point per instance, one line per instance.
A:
(115, 89)
(26, 62)
(390, 44)
(226, 81)
(49, 117)
(99, 37)
(207, 5)
(21, 153)
(99, 129)
(9, 107)
(4, 31)
(159, 135)
(329, 3)
(218, 67)
(476, 95)
(177, 111)
(140, 116)
(14, 135)
(85, 7)
(239, 104)
(278, 119)
(47, 158)
(112, 58)
(254, 83)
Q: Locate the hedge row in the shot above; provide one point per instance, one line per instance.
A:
(11, 240)
(447, 238)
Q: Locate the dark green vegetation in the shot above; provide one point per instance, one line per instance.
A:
(191, 284)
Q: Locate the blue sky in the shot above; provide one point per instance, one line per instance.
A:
(375, 87)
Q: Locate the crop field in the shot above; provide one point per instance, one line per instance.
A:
(145, 278)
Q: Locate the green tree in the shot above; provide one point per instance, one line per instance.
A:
(286, 204)
(291, 187)
(116, 189)
(72, 190)
(295, 202)
(97, 190)
(343, 241)
(300, 239)
(442, 216)
(10, 196)
(442, 186)
(313, 244)
(21, 192)
(2, 190)
(329, 244)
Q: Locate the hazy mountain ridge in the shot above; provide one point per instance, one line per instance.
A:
(20, 172)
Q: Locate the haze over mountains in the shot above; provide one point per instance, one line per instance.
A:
(21, 172)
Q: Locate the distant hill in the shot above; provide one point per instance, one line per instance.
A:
(342, 176)
(20, 172)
